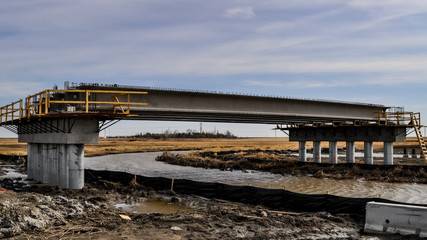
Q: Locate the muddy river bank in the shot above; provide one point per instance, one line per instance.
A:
(99, 211)
(286, 164)
(34, 211)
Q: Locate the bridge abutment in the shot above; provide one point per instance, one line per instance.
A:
(56, 154)
(349, 134)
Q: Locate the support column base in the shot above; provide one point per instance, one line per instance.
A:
(333, 152)
(59, 165)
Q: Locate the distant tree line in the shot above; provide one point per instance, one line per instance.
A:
(187, 134)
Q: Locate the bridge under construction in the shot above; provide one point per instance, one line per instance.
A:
(57, 123)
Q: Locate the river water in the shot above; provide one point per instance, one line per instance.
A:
(145, 164)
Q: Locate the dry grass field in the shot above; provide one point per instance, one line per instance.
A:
(9, 146)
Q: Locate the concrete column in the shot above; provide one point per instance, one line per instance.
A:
(57, 158)
(388, 153)
(317, 151)
(75, 154)
(369, 153)
(349, 152)
(302, 151)
(59, 165)
(333, 152)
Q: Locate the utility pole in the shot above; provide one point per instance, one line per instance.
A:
(201, 127)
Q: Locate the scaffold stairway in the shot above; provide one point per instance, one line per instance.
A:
(416, 123)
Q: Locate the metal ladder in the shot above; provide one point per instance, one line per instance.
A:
(417, 126)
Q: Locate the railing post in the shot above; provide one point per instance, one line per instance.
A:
(87, 101)
(40, 104)
(46, 101)
(1, 115)
(398, 118)
(20, 110)
(386, 118)
(13, 112)
(27, 105)
(128, 111)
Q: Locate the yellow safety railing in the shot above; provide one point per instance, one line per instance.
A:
(397, 118)
(39, 104)
(406, 119)
(11, 112)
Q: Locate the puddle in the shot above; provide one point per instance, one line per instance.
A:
(152, 206)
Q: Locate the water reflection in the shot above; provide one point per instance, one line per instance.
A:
(152, 206)
(145, 164)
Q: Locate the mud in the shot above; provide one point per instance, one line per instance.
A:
(40, 212)
(34, 211)
(278, 163)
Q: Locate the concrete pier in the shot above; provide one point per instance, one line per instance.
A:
(333, 152)
(388, 153)
(302, 151)
(350, 149)
(57, 158)
(369, 153)
(317, 151)
(62, 164)
(350, 135)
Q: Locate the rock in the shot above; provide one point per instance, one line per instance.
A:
(264, 214)
(175, 228)
(319, 174)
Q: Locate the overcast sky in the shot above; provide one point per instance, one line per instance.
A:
(361, 50)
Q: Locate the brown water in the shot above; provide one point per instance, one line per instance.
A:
(145, 164)
(152, 206)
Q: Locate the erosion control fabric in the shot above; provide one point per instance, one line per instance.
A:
(272, 198)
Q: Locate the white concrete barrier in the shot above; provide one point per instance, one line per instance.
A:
(396, 218)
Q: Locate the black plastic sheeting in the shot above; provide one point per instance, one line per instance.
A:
(272, 198)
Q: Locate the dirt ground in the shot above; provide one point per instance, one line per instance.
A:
(33, 211)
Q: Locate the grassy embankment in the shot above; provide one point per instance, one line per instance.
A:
(129, 145)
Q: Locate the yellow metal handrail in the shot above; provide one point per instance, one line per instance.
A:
(398, 118)
(406, 119)
(39, 104)
(11, 112)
